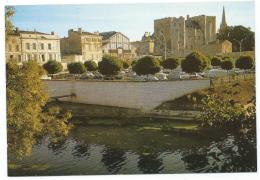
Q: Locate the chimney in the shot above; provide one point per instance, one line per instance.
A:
(52, 33)
(188, 16)
(70, 31)
(17, 30)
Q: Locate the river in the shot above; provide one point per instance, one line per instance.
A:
(92, 150)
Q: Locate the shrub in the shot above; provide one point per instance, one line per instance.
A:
(216, 61)
(227, 64)
(244, 62)
(53, 67)
(170, 63)
(147, 65)
(91, 65)
(125, 65)
(76, 68)
(194, 62)
(110, 65)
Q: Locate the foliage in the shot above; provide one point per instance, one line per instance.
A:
(239, 33)
(216, 61)
(147, 65)
(194, 62)
(91, 65)
(26, 99)
(110, 65)
(227, 64)
(170, 63)
(224, 114)
(53, 67)
(9, 13)
(76, 68)
(125, 64)
(244, 62)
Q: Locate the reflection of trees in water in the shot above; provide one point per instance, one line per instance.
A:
(234, 154)
(81, 150)
(150, 163)
(57, 147)
(113, 159)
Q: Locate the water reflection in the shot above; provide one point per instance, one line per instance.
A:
(128, 151)
(150, 163)
(113, 159)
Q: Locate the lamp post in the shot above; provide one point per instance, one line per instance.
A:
(239, 42)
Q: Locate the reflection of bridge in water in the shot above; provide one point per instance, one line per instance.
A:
(127, 94)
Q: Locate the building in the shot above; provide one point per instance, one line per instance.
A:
(145, 46)
(116, 44)
(180, 36)
(223, 24)
(32, 45)
(79, 42)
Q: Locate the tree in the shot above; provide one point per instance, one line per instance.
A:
(216, 61)
(76, 68)
(170, 63)
(227, 64)
(53, 67)
(239, 33)
(91, 65)
(125, 65)
(194, 62)
(110, 66)
(147, 65)
(27, 115)
(9, 13)
(244, 62)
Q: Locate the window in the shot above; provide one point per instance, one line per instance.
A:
(10, 47)
(43, 58)
(19, 58)
(34, 46)
(28, 46)
(49, 46)
(11, 56)
(50, 56)
(17, 48)
(42, 46)
(29, 57)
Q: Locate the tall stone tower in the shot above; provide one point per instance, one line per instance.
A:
(223, 24)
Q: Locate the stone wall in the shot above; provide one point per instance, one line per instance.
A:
(144, 96)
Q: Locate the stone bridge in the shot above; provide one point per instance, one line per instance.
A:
(143, 96)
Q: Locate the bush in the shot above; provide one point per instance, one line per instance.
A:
(194, 62)
(125, 65)
(91, 65)
(76, 68)
(216, 61)
(227, 64)
(170, 63)
(53, 67)
(147, 65)
(244, 62)
(110, 65)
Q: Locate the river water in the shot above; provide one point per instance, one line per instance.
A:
(92, 150)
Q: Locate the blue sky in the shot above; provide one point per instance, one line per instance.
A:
(131, 19)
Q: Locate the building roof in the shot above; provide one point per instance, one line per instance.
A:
(107, 35)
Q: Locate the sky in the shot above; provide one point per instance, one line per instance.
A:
(130, 19)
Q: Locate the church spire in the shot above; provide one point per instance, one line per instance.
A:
(223, 24)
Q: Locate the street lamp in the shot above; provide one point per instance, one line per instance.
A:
(239, 42)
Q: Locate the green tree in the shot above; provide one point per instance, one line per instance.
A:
(239, 33)
(76, 68)
(110, 65)
(227, 64)
(125, 64)
(9, 13)
(194, 62)
(216, 61)
(147, 65)
(170, 63)
(27, 117)
(91, 65)
(244, 62)
(53, 67)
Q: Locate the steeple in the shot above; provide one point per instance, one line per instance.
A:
(223, 24)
